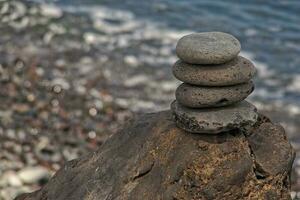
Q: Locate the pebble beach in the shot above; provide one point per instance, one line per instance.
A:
(69, 81)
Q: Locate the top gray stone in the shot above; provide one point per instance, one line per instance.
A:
(208, 48)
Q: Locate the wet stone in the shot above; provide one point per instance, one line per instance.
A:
(214, 120)
(203, 97)
(237, 71)
(208, 48)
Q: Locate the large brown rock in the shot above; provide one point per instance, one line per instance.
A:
(153, 159)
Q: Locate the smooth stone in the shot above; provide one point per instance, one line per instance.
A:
(208, 48)
(203, 97)
(237, 71)
(214, 120)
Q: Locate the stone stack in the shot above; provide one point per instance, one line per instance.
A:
(216, 82)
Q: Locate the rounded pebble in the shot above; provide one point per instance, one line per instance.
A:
(237, 71)
(202, 97)
(208, 48)
(214, 120)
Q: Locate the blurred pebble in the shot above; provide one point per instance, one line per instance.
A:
(60, 82)
(57, 89)
(55, 103)
(31, 175)
(30, 159)
(30, 97)
(131, 61)
(21, 108)
(11, 192)
(93, 111)
(11, 179)
(69, 154)
(92, 134)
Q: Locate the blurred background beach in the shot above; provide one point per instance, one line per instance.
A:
(72, 71)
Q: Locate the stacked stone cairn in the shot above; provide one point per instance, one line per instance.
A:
(215, 83)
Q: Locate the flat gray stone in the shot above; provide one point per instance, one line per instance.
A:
(237, 71)
(214, 120)
(208, 48)
(203, 96)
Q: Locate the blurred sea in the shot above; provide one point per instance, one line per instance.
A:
(146, 33)
(268, 31)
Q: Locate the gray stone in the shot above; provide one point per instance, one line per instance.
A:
(237, 71)
(204, 97)
(208, 48)
(214, 120)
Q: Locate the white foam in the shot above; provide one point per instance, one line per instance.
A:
(136, 80)
(294, 86)
(264, 71)
(122, 29)
(117, 30)
(293, 109)
(50, 10)
(131, 60)
(250, 32)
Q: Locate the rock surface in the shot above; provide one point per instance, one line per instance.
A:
(214, 120)
(264, 148)
(237, 71)
(208, 48)
(153, 159)
(205, 97)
